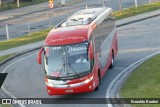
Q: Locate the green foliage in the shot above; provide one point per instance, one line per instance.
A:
(133, 11)
(2, 58)
(13, 5)
(144, 82)
(27, 39)
(5, 105)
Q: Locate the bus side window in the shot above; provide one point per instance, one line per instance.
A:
(109, 24)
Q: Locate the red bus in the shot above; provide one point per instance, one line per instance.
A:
(79, 51)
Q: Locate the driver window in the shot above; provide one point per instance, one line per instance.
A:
(81, 59)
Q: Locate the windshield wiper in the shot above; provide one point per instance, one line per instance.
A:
(52, 77)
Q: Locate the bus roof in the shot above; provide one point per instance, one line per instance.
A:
(77, 28)
(83, 17)
(67, 35)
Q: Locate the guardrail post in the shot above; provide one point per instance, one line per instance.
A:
(52, 18)
(136, 5)
(50, 23)
(63, 2)
(7, 32)
(104, 4)
(120, 6)
(150, 1)
(17, 3)
(86, 7)
(29, 26)
(0, 3)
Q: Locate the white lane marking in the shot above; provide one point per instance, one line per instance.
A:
(21, 105)
(16, 62)
(109, 105)
(119, 68)
(119, 75)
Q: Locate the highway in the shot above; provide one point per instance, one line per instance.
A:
(26, 78)
(18, 26)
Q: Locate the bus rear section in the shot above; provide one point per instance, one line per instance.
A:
(79, 51)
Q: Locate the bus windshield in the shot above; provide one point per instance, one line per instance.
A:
(67, 61)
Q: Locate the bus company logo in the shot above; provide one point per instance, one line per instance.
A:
(6, 101)
(73, 49)
(74, 37)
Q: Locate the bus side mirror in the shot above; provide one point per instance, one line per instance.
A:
(39, 58)
(90, 51)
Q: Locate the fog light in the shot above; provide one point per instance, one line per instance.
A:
(49, 91)
(90, 87)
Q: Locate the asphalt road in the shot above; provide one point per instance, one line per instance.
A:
(42, 20)
(26, 78)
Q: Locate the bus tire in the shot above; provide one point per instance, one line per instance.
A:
(112, 61)
(99, 82)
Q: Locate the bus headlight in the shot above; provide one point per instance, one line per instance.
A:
(49, 84)
(88, 80)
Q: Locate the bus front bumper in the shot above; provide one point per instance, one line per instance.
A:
(85, 86)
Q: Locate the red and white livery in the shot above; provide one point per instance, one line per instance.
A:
(79, 51)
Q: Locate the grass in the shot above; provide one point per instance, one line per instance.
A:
(27, 39)
(73, 2)
(133, 11)
(144, 82)
(38, 36)
(5, 105)
(13, 5)
(2, 58)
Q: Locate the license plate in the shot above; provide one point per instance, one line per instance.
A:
(71, 90)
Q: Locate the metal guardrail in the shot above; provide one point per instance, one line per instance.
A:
(31, 23)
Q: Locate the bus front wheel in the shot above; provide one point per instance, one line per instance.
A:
(99, 82)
